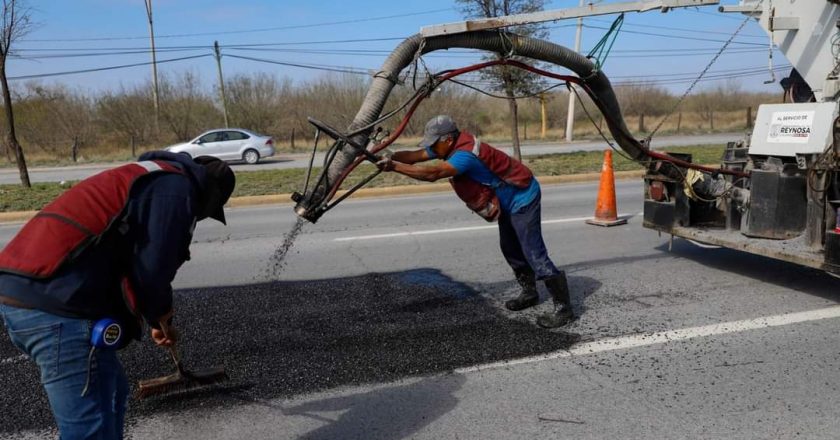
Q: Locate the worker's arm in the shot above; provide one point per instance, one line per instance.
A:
(162, 222)
(431, 173)
(411, 157)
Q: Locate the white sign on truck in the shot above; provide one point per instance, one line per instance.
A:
(791, 127)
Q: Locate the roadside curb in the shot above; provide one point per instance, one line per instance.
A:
(16, 216)
(275, 199)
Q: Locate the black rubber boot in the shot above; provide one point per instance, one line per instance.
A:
(562, 314)
(529, 296)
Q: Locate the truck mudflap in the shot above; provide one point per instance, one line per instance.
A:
(794, 250)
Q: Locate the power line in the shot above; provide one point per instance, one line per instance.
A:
(285, 44)
(678, 37)
(298, 43)
(208, 46)
(276, 28)
(366, 71)
(676, 49)
(339, 69)
(344, 41)
(348, 69)
(100, 69)
(643, 78)
(108, 49)
(668, 78)
(686, 76)
(637, 53)
(333, 41)
(711, 78)
(697, 31)
(84, 55)
(718, 15)
(672, 79)
(455, 54)
(334, 51)
(695, 54)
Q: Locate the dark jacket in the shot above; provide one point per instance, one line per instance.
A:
(149, 245)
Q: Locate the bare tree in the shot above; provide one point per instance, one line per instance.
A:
(344, 93)
(184, 107)
(255, 101)
(712, 99)
(129, 113)
(16, 23)
(52, 117)
(643, 99)
(460, 103)
(510, 80)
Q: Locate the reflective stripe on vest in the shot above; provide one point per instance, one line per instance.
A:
(76, 219)
(149, 165)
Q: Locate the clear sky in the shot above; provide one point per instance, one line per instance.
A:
(668, 49)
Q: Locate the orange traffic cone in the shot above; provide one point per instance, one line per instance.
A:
(606, 213)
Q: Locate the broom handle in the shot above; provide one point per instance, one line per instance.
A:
(176, 358)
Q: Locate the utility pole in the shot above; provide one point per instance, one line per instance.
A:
(543, 116)
(570, 119)
(155, 89)
(222, 83)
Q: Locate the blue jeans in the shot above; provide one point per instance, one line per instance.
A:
(520, 237)
(60, 346)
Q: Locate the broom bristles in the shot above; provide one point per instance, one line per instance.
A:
(178, 383)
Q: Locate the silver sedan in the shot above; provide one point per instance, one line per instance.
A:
(228, 144)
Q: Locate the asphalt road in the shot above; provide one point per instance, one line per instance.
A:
(285, 161)
(386, 322)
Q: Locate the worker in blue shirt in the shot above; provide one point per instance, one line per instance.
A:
(498, 188)
(109, 247)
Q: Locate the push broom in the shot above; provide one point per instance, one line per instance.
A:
(181, 380)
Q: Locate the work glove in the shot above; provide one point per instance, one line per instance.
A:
(385, 164)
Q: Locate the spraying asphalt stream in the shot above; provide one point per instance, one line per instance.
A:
(277, 262)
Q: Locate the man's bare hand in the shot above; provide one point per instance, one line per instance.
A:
(167, 335)
(385, 164)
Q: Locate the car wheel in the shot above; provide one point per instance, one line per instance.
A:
(251, 156)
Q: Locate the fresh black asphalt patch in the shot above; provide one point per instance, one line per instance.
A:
(287, 338)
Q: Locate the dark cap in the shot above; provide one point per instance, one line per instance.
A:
(220, 182)
(436, 128)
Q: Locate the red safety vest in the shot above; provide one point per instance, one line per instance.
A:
(79, 218)
(480, 198)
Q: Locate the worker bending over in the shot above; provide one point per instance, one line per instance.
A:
(109, 247)
(498, 188)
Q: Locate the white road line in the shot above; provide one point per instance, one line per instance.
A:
(644, 340)
(451, 230)
(13, 360)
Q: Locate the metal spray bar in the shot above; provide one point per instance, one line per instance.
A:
(561, 14)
